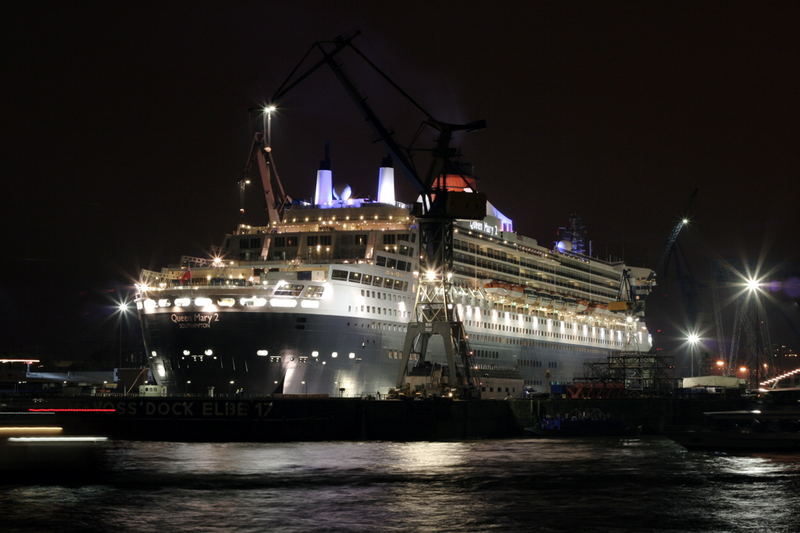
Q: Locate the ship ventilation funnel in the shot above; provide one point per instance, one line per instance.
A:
(323, 194)
(386, 182)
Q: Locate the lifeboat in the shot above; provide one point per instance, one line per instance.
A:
(503, 289)
(531, 296)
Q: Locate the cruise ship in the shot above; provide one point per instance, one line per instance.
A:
(318, 300)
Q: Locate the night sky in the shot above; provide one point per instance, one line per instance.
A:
(126, 128)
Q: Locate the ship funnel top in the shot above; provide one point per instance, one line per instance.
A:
(325, 164)
(386, 182)
(323, 194)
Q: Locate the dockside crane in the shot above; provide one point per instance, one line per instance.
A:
(435, 312)
(260, 160)
(673, 254)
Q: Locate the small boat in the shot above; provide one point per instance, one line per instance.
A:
(502, 289)
(592, 423)
(773, 426)
(547, 300)
(531, 296)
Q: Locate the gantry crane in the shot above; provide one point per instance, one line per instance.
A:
(435, 312)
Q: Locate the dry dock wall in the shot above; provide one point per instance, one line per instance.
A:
(309, 419)
(211, 419)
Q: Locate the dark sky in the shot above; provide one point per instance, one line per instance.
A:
(127, 125)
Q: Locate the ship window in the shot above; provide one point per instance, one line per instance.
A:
(315, 291)
(380, 260)
(377, 281)
(361, 239)
(398, 285)
(355, 277)
(312, 240)
(391, 263)
(387, 283)
(389, 238)
(325, 240)
(401, 265)
(280, 242)
(290, 289)
(339, 274)
(366, 279)
(291, 241)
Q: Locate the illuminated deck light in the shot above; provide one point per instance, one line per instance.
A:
(30, 430)
(58, 439)
(282, 302)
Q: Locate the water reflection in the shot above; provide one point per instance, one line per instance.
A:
(428, 457)
(510, 485)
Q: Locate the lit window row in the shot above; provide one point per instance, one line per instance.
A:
(252, 301)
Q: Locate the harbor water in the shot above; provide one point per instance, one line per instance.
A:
(608, 484)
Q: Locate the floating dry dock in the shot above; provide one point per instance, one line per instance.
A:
(277, 419)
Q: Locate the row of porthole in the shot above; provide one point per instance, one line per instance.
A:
(315, 354)
(203, 302)
(265, 353)
(208, 351)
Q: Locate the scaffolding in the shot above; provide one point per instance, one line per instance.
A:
(637, 373)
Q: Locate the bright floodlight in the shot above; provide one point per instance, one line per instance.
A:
(753, 284)
(270, 108)
(685, 221)
(123, 307)
(693, 338)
